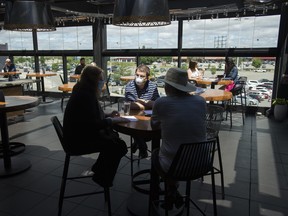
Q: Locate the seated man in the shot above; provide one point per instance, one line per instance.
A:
(181, 118)
(9, 67)
(142, 93)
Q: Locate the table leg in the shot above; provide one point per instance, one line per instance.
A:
(15, 148)
(6, 166)
(43, 92)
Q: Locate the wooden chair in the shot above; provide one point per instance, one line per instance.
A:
(59, 130)
(192, 161)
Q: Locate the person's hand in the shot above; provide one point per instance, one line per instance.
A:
(116, 120)
(142, 101)
(114, 113)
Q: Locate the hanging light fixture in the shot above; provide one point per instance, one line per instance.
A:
(28, 16)
(141, 13)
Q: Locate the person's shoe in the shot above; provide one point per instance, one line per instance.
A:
(134, 147)
(143, 154)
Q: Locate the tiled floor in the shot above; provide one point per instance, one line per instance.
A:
(255, 158)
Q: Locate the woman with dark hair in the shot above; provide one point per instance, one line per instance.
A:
(87, 129)
(230, 73)
(231, 70)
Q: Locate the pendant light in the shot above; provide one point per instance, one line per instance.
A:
(141, 13)
(28, 16)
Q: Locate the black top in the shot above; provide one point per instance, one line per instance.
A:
(84, 120)
(79, 68)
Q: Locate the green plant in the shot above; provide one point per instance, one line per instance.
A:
(279, 101)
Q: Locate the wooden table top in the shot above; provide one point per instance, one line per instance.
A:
(10, 73)
(127, 78)
(15, 103)
(41, 74)
(141, 128)
(75, 76)
(209, 81)
(67, 87)
(216, 95)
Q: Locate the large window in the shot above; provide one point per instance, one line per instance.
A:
(66, 38)
(16, 40)
(142, 37)
(244, 32)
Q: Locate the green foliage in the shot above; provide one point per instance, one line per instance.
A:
(213, 70)
(256, 62)
(279, 101)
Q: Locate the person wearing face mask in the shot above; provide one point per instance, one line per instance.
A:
(142, 93)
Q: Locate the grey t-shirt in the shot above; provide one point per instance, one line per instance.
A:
(182, 120)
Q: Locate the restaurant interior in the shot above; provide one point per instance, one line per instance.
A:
(254, 147)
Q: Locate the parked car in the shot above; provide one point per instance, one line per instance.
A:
(249, 100)
(256, 95)
(160, 83)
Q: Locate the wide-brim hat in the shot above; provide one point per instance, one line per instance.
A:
(178, 78)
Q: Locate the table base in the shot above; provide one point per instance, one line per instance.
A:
(15, 148)
(138, 204)
(18, 165)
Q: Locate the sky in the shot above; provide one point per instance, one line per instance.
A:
(246, 32)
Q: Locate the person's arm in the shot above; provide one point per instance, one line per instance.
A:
(154, 121)
(13, 68)
(145, 104)
(233, 73)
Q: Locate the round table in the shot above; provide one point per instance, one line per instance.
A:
(216, 95)
(75, 76)
(67, 87)
(127, 78)
(11, 166)
(212, 81)
(10, 74)
(139, 204)
(41, 76)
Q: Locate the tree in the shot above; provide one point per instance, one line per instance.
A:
(256, 62)
(213, 70)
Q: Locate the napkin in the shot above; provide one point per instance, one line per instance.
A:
(131, 118)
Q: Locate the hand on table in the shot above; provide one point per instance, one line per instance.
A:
(116, 120)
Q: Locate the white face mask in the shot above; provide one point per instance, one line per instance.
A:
(139, 80)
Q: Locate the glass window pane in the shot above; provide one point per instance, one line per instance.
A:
(245, 32)
(16, 40)
(142, 37)
(66, 38)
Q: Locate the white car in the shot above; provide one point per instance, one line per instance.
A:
(249, 100)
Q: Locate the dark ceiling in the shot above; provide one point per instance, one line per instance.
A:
(82, 12)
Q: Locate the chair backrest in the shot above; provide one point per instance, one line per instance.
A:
(192, 161)
(214, 118)
(59, 130)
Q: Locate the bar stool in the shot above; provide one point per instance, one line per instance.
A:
(59, 130)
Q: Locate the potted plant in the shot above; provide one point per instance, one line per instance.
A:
(280, 108)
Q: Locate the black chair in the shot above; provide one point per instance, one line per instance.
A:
(238, 89)
(192, 161)
(105, 94)
(214, 118)
(59, 130)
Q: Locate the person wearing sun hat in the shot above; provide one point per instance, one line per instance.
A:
(181, 118)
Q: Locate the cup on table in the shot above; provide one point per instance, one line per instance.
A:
(126, 107)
